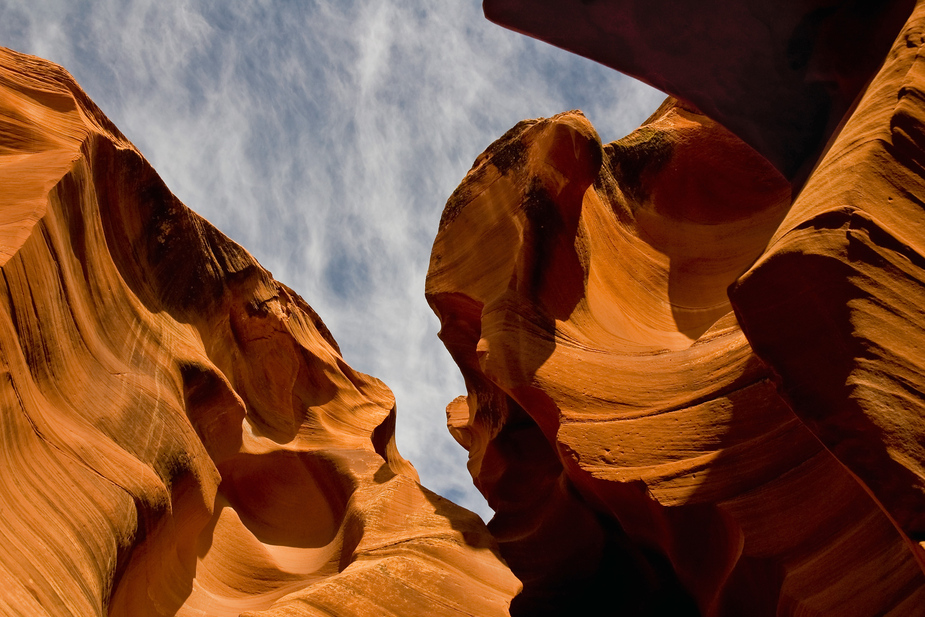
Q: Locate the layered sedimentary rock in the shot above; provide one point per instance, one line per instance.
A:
(847, 266)
(687, 393)
(180, 435)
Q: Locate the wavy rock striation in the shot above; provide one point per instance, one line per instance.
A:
(847, 270)
(180, 435)
(650, 443)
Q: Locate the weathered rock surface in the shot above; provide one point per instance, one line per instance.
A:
(650, 442)
(843, 281)
(180, 435)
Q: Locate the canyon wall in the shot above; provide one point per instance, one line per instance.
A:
(180, 434)
(688, 392)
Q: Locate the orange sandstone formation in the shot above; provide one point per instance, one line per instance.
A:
(180, 435)
(645, 440)
(846, 271)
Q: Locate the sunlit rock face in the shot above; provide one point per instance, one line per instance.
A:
(687, 393)
(180, 435)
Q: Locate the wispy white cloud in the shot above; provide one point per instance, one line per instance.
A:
(325, 137)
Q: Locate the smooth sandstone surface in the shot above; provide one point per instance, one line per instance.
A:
(180, 435)
(687, 393)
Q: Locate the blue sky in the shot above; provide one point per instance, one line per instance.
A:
(325, 137)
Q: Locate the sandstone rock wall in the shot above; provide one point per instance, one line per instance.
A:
(180, 435)
(687, 393)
